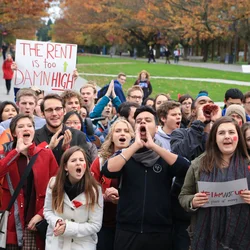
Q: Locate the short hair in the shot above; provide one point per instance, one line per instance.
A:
(13, 124)
(146, 109)
(134, 88)
(26, 92)
(121, 74)
(246, 95)
(234, 94)
(89, 86)
(67, 94)
(48, 97)
(185, 97)
(164, 109)
(125, 108)
(201, 93)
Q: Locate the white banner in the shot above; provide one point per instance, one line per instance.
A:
(48, 66)
(223, 193)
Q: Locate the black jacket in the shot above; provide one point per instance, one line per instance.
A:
(189, 143)
(78, 139)
(144, 205)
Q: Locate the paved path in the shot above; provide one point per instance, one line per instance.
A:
(178, 78)
(216, 66)
(80, 81)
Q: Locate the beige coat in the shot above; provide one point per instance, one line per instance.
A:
(82, 223)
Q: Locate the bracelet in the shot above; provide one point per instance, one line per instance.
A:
(124, 158)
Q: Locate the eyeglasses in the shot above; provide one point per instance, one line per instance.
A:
(69, 123)
(136, 97)
(50, 110)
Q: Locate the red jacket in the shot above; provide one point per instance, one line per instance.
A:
(43, 169)
(95, 170)
(7, 71)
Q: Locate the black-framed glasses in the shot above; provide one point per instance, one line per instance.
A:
(50, 110)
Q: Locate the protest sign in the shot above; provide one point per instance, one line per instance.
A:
(48, 66)
(223, 193)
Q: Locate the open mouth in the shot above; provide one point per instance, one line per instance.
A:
(143, 130)
(26, 135)
(78, 170)
(178, 123)
(122, 139)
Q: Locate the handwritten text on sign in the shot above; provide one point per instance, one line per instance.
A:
(49, 66)
(223, 193)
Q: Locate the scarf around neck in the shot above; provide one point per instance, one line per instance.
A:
(224, 227)
(73, 190)
(146, 156)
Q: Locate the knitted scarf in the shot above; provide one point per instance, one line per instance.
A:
(147, 156)
(224, 227)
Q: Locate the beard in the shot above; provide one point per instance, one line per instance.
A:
(52, 125)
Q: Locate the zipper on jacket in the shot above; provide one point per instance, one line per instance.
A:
(144, 199)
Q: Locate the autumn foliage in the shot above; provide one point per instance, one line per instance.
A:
(21, 18)
(135, 22)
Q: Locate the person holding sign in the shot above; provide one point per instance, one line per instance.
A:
(225, 159)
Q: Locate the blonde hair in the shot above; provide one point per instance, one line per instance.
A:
(134, 88)
(107, 148)
(89, 85)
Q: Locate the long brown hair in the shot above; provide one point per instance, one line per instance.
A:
(213, 156)
(90, 185)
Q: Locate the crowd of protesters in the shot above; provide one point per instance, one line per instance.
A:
(114, 170)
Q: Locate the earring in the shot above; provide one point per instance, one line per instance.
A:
(67, 173)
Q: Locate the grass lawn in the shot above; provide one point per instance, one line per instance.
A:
(106, 65)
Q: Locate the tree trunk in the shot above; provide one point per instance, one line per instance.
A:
(248, 52)
(205, 47)
(185, 47)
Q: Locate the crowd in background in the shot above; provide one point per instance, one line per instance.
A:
(113, 170)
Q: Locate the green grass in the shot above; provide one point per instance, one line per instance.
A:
(216, 90)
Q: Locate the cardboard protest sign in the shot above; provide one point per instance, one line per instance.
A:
(223, 193)
(48, 66)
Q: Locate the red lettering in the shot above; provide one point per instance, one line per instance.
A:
(32, 51)
(50, 48)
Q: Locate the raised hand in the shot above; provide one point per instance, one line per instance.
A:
(54, 140)
(13, 66)
(149, 143)
(110, 88)
(67, 139)
(216, 114)
(20, 145)
(75, 74)
(138, 141)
